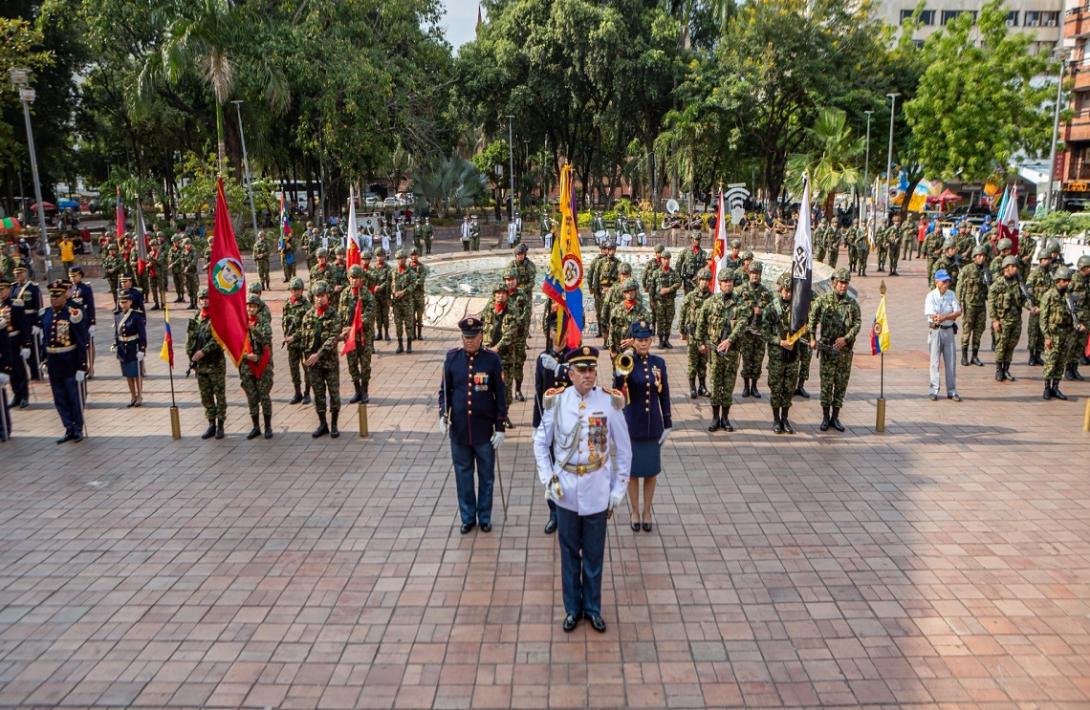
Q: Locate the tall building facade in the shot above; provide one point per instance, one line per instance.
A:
(1073, 163)
(1044, 19)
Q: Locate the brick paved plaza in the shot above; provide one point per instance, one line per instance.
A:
(945, 561)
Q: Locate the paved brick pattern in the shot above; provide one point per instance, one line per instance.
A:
(946, 561)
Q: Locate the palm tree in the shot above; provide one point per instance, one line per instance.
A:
(833, 160)
(453, 182)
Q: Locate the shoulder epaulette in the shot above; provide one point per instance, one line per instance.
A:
(616, 396)
(549, 398)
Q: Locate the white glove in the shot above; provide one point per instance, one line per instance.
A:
(443, 425)
(36, 331)
(497, 440)
(140, 358)
(615, 499)
(91, 330)
(662, 437)
(550, 493)
(550, 363)
(80, 375)
(24, 353)
(4, 379)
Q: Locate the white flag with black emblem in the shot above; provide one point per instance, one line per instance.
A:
(802, 263)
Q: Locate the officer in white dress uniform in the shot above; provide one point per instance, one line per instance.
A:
(587, 476)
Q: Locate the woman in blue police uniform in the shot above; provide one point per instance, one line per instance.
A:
(131, 342)
(473, 408)
(647, 412)
(66, 359)
(551, 371)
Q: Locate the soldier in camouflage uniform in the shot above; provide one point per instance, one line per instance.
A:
(690, 315)
(895, 235)
(667, 283)
(321, 333)
(1038, 284)
(719, 328)
(972, 294)
(426, 233)
(501, 333)
(996, 266)
(382, 283)
(1059, 323)
(832, 245)
(159, 284)
(359, 358)
(206, 254)
(263, 312)
(690, 262)
(189, 261)
(1080, 291)
(295, 308)
(261, 258)
(323, 270)
(650, 273)
(834, 325)
(734, 258)
(950, 261)
(1027, 245)
(965, 241)
(783, 356)
(258, 360)
(909, 237)
(623, 315)
(616, 292)
(881, 243)
(741, 274)
(755, 298)
(176, 259)
(207, 360)
(420, 274)
(933, 248)
(1006, 301)
(401, 299)
(605, 275)
(524, 269)
(862, 251)
(819, 239)
(113, 266)
(520, 300)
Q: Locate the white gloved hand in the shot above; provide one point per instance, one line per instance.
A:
(615, 499)
(443, 425)
(550, 494)
(80, 375)
(140, 358)
(91, 330)
(662, 437)
(24, 353)
(36, 331)
(4, 379)
(497, 440)
(550, 363)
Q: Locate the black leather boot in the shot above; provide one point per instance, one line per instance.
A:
(1075, 374)
(268, 425)
(219, 428)
(210, 431)
(753, 389)
(409, 344)
(297, 398)
(965, 356)
(714, 426)
(777, 426)
(357, 395)
(703, 389)
(256, 431)
(975, 360)
(724, 421)
(824, 418)
(1056, 391)
(1007, 372)
(801, 390)
(322, 429)
(334, 432)
(999, 376)
(666, 343)
(306, 395)
(387, 329)
(400, 347)
(745, 386)
(787, 428)
(1047, 393)
(692, 388)
(364, 397)
(834, 420)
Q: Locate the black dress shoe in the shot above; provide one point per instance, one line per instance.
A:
(550, 527)
(466, 527)
(635, 526)
(598, 623)
(647, 527)
(68, 436)
(569, 622)
(486, 527)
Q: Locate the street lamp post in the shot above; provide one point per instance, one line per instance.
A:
(246, 164)
(889, 156)
(21, 78)
(1049, 201)
(866, 166)
(511, 166)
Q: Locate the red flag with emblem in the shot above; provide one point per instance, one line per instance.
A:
(227, 285)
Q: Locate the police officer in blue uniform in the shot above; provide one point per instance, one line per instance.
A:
(135, 293)
(551, 371)
(66, 359)
(130, 344)
(18, 330)
(29, 296)
(82, 295)
(473, 408)
(647, 412)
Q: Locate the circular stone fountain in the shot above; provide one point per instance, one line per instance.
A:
(460, 284)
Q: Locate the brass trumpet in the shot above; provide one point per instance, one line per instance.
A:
(624, 363)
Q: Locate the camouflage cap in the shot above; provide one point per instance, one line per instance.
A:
(980, 250)
(322, 252)
(756, 267)
(366, 254)
(784, 281)
(630, 285)
(659, 248)
(253, 300)
(1062, 273)
(1004, 243)
(704, 273)
(842, 274)
(735, 243)
(202, 292)
(401, 254)
(255, 287)
(747, 255)
(355, 271)
(1054, 247)
(296, 284)
(509, 273)
(665, 254)
(380, 252)
(1083, 261)
(319, 288)
(501, 287)
(1011, 260)
(725, 275)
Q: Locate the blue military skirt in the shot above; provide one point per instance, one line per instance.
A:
(646, 458)
(130, 368)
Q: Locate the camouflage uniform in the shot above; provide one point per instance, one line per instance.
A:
(177, 268)
(189, 260)
(950, 262)
(832, 245)
(382, 282)
(666, 303)
(113, 266)
(292, 323)
(819, 240)
(623, 315)
(722, 317)
(690, 315)
(321, 333)
(359, 359)
(932, 247)
(211, 370)
(501, 333)
(881, 242)
(604, 278)
(972, 293)
(420, 274)
(1038, 284)
(261, 258)
(862, 251)
(783, 364)
(834, 316)
(650, 273)
(909, 238)
(616, 291)
(257, 389)
(325, 271)
(1006, 302)
(1058, 322)
(753, 295)
(402, 281)
(159, 284)
(1080, 290)
(689, 263)
(895, 235)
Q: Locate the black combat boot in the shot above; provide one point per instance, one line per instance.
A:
(703, 389)
(387, 329)
(666, 343)
(724, 421)
(400, 347)
(753, 389)
(219, 428)
(518, 391)
(745, 387)
(306, 395)
(692, 388)
(1056, 391)
(715, 425)
(268, 424)
(1075, 374)
(777, 425)
(256, 431)
(298, 396)
(364, 397)
(800, 391)
(210, 431)
(787, 428)
(409, 344)
(834, 420)
(1007, 372)
(824, 418)
(1047, 393)
(322, 429)
(357, 395)
(999, 375)
(965, 356)
(975, 360)
(334, 432)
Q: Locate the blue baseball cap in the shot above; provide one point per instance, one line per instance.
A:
(942, 275)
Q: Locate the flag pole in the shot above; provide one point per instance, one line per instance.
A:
(880, 414)
(175, 419)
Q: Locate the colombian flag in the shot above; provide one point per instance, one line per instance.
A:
(879, 331)
(564, 281)
(167, 353)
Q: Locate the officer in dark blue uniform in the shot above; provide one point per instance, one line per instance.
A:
(18, 331)
(551, 371)
(647, 413)
(66, 359)
(29, 296)
(135, 293)
(82, 295)
(8, 357)
(473, 408)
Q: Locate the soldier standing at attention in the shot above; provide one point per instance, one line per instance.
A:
(474, 234)
(622, 316)
(1038, 284)
(261, 258)
(862, 250)
(207, 360)
(1006, 300)
(783, 357)
(718, 332)
(690, 262)
(420, 274)
(66, 359)
(287, 255)
(1080, 293)
(295, 308)
(819, 239)
(834, 324)
(321, 333)
(473, 409)
(972, 294)
(112, 266)
(1058, 327)
(667, 283)
(755, 297)
(605, 275)
(690, 314)
(130, 344)
(518, 301)
(382, 281)
(501, 331)
(189, 261)
(616, 292)
(583, 427)
(895, 233)
(359, 358)
(650, 272)
(402, 287)
(832, 245)
(256, 372)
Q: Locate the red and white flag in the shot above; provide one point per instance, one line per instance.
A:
(354, 247)
(1008, 219)
(718, 260)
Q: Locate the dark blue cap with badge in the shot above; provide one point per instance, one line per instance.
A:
(640, 329)
(57, 288)
(471, 326)
(585, 356)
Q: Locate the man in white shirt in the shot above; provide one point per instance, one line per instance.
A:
(586, 476)
(942, 309)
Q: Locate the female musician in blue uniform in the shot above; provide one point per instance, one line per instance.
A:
(647, 412)
(131, 341)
